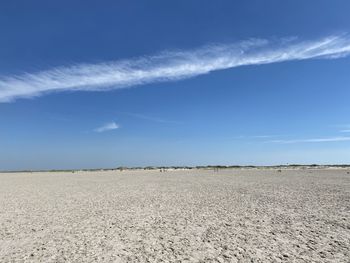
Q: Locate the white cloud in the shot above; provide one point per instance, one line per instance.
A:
(345, 131)
(107, 127)
(313, 140)
(169, 66)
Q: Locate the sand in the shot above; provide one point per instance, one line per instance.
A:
(178, 216)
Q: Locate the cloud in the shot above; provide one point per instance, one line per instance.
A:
(107, 127)
(344, 131)
(169, 66)
(314, 140)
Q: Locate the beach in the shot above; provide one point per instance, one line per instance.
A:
(197, 215)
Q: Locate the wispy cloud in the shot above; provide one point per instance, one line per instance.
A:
(107, 127)
(169, 66)
(344, 131)
(313, 140)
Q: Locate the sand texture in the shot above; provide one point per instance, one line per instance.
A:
(177, 216)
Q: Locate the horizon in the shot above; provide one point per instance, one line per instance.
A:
(210, 166)
(174, 84)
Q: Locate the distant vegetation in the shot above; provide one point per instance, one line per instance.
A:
(205, 167)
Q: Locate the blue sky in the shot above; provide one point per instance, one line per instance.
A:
(87, 84)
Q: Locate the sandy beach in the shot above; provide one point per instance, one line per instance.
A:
(237, 215)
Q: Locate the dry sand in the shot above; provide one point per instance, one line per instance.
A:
(178, 216)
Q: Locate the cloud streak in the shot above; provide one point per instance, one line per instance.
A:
(169, 66)
(107, 127)
(313, 140)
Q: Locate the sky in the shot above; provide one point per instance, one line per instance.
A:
(102, 84)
